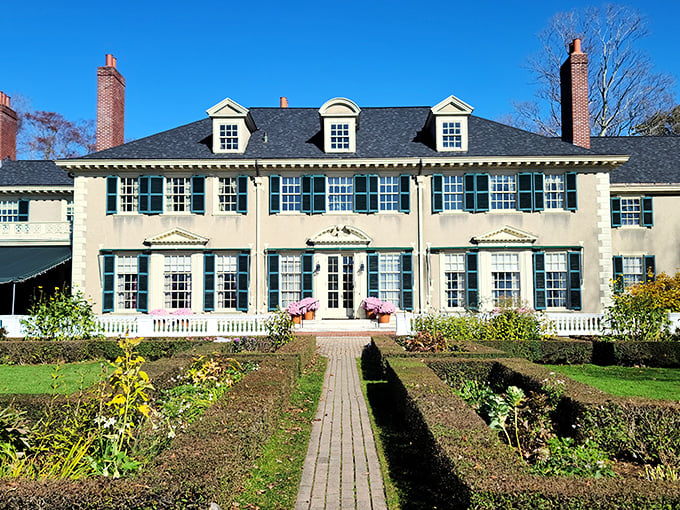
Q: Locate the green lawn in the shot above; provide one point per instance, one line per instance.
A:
(41, 378)
(656, 383)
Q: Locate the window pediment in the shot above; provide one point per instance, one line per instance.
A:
(176, 238)
(447, 123)
(339, 124)
(232, 126)
(505, 236)
(339, 235)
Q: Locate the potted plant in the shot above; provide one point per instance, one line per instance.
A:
(371, 305)
(295, 311)
(308, 306)
(385, 310)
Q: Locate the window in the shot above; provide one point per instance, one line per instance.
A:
(226, 272)
(128, 193)
(69, 211)
(452, 192)
(228, 137)
(9, 211)
(227, 194)
(451, 135)
(177, 276)
(454, 280)
(503, 192)
(554, 191)
(290, 194)
(630, 211)
(340, 193)
(340, 136)
(632, 271)
(291, 279)
(505, 278)
(389, 271)
(389, 193)
(556, 279)
(126, 276)
(177, 194)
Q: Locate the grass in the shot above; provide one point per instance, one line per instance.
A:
(274, 482)
(654, 383)
(35, 379)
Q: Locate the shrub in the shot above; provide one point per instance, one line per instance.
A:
(61, 316)
(565, 457)
(514, 324)
(663, 291)
(636, 317)
(454, 328)
(280, 327)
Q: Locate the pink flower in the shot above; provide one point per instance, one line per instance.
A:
(159, 311)
(294, 309)
(309, 304)
(371, 304)
(386, 308)
(182, 311)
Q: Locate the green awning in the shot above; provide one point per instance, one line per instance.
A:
(19, 263)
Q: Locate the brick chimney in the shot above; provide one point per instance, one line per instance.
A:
(110, 105)
(574, 88)
(8, 129)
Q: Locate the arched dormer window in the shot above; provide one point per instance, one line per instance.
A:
(339, 124)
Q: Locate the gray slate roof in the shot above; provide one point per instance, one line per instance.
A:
(26, 172)
(383, 133)
(653, 159)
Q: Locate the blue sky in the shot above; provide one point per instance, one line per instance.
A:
(180, 58)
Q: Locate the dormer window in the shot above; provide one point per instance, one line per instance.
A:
(448, 125)
(451, 135)
(339, 124)
(232, 127)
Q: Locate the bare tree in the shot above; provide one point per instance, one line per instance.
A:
(624, 89)
(666, 123)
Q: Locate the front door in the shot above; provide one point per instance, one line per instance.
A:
(339, 286)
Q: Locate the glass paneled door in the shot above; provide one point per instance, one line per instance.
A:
(339, 285)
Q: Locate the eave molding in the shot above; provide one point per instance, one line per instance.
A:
(638, 188)
(43, 190)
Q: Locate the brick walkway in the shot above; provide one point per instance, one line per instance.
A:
(341, 468)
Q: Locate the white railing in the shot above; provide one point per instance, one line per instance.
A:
(36, 231)
(150, 326)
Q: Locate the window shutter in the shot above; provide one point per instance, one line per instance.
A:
(274, 198)
(111, 194)
(538, 192)
(437, 193)
(618, 273)
(616, 211)
(373, 276)
(649, 267)
(198, 194)
(361, 193)
(319, 194)
(470, 203)
(155, 194)
(307, 275)
(109, 283)
(471, 281)
(539, 281)
(209, 282)
(572, 200)
(482, 194)
(273, 280)
(574, 261)
(647, 212)
(373, 193)
(407, 281)
(404, 193)
(23, 210)
(242, 194)
(143, 187)
(525, 191)
(306, 189)
(242, 282)
(142, 283)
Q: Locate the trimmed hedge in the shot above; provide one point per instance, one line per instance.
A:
(557, 352)
(628, 354)
(206, 463)
(475, 470)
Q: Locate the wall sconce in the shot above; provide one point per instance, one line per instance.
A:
(318, 268)
(361, 267)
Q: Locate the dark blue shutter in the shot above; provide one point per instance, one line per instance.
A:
(373, 199)
(142, 283)
(471, 280)
(109, 282)
(482, 192)
(618, 273)
(649, 267)
(111, 194)
(307, 275)
(571, 198)
(143, 191)
(574, 265)
(242, 281)
(616, 211)
(318, 194)
(306, 189)
(538, 192)
(373, 276)
(525, 191)
(470, 202)
(273, 280)
(539, 281)
(274, 198)
(242, 194)
(208, 282)
(23, 210)
(361, 193)
(647, 212)
(407, 281)
(198, 194)
(150, 194)
(404, 193)
(437, 193)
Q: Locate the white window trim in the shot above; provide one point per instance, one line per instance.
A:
(443, 302)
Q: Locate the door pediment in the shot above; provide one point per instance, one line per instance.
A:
(340, 235)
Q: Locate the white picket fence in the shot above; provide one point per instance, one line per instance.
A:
(150, 326)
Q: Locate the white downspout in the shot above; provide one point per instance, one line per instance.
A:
(420, 183)
(258, 189)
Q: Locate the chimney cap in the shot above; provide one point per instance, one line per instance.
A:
(283, 102)
(575, 46)
(110, 60)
